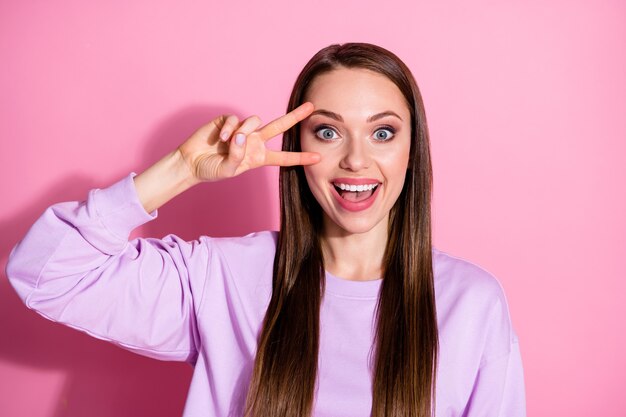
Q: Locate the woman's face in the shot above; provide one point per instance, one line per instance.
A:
(361, 127)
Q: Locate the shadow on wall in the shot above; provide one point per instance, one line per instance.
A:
(101, 379)
(232, 207)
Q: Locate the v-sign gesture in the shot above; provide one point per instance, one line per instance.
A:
(220, 149)
(225, 147)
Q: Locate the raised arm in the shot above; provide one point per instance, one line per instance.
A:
(76, 265)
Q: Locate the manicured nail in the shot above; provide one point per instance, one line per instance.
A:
(240, 139)
(224, 136)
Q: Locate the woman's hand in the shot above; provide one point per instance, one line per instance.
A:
(220, 149)
(226, 147)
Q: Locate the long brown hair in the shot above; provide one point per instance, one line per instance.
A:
(406, 340)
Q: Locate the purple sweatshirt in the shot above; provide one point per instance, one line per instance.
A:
(204, 302)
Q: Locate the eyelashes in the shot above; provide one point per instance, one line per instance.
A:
(328, 133)
(325, 132)
(389, 133)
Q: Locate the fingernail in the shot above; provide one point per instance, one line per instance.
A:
(240, 139)
(224, 136)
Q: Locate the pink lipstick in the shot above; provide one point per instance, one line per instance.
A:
(355, 194)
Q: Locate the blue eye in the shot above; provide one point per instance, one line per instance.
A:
(384, 134)
(325, 133)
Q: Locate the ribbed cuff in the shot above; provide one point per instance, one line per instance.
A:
(116, 211)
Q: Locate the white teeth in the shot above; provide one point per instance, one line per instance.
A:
(357, 188)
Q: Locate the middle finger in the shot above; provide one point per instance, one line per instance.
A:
(248, 126)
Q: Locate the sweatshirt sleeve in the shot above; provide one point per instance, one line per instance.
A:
(498, 389)
(76, 266)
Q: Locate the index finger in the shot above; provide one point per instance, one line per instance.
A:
(287, 159)
(284, 123)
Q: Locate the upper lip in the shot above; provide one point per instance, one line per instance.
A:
(355, 181)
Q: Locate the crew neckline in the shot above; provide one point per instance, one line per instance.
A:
(350, 288)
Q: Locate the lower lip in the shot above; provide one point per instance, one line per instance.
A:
(355, 206)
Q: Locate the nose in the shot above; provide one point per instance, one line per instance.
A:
(356, 156)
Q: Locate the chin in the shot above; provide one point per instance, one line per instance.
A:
(357, 226)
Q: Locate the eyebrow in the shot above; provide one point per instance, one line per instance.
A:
(370, 119)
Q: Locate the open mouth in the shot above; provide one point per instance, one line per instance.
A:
(355, 193)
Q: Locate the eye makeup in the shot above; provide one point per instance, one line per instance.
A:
(324, 128)
(389, 128)
(325, 132)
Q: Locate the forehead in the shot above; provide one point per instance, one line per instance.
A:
(356, 92)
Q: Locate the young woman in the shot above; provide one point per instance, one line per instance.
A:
(347, 311)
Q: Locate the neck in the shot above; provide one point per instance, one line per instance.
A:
(354, 256)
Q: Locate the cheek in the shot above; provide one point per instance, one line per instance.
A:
(320, 171)
(315, 182)
(307, 143)
(396, 164)
(310, 171)
(314, 175)
(397, 160)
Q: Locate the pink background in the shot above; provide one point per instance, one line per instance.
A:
(527, 110)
